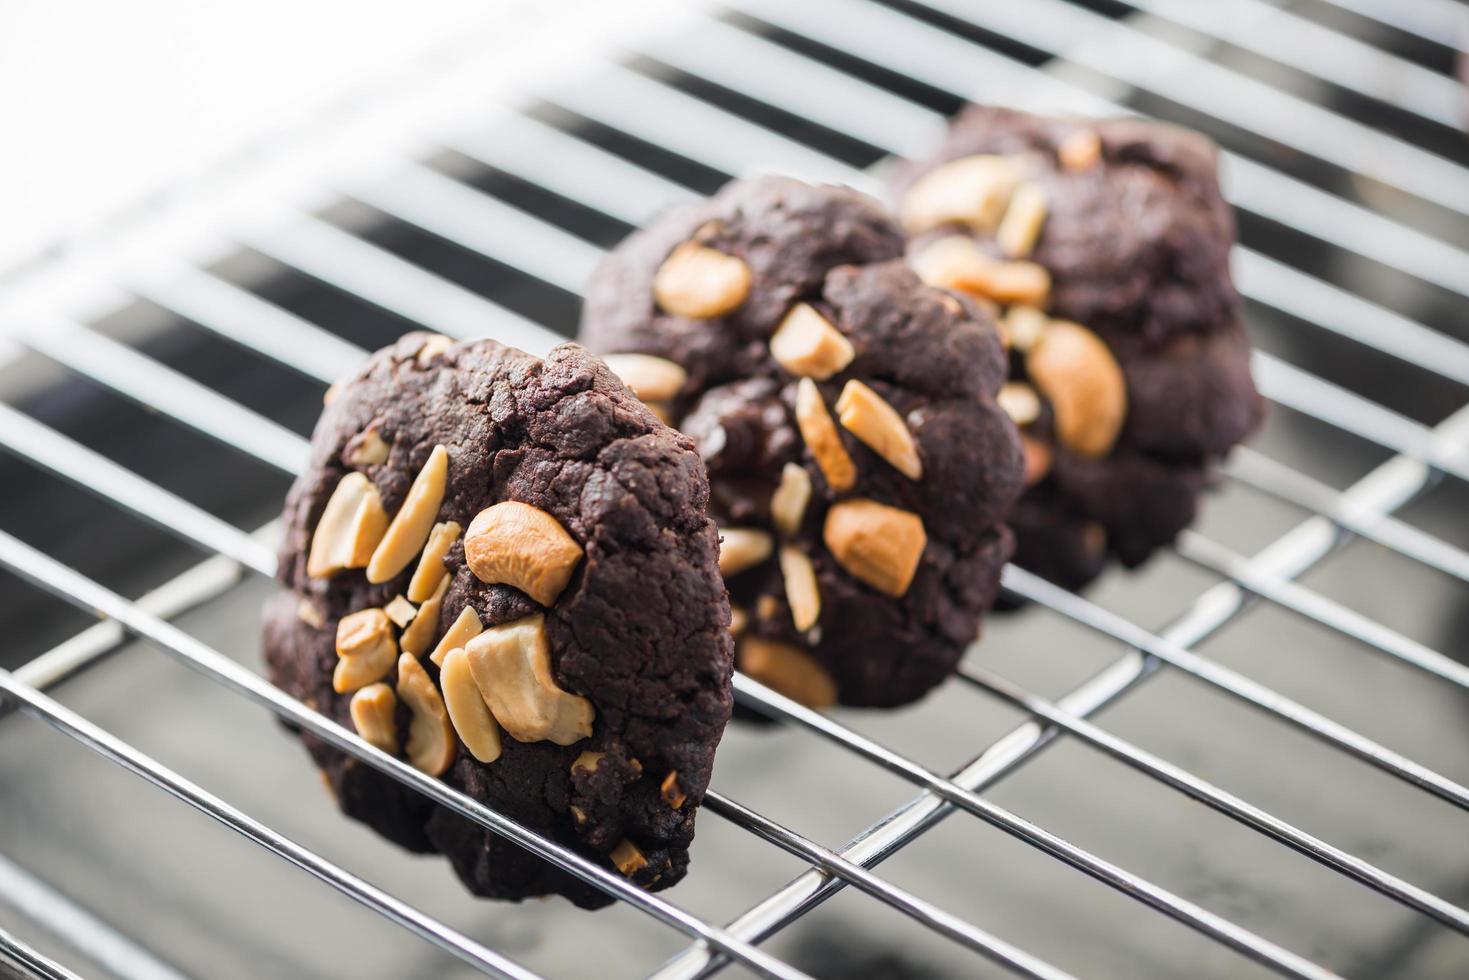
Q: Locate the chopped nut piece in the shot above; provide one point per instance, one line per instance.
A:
(432, 347)
(1024, 325)
(307, 613)
(578, 814)
(350, 527)
(875, 543)
(467, 708)
(405, 537)
(420, 632)
(739, 620)
(670, 791)
(512, 666)
(822, 438)
(697, 282)
(971, 190)
(802, 594)
(1022, 223)
(865, 414)
(767, 607)
(1080, 150)
(652, 379)
(637, 766)
(430, 568)
(788, 670)
(588, 761)
(400, 611)
(806, 344)
(1075, 370)
(464, 629)
(788, 503)
(365, 648)
(741, 548)
(1020, 402)
(431, 743)
(956, 262)
(369, 449)
(516, 544)
(374, 715)
(628, 858)
(1038, 459)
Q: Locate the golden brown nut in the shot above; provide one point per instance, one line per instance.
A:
(697, 282)
(369, 449)
(374, 714)
(420, 632)
(400, 611)
(802, 594)
(431, 563)
(868, 416)
(956, 262)
(1019, 401)
(467, 709)
(431, 743)
(365, 649)
(516, 544)
(787, 670)
(512, 666)
(805, 344)
(741, 548)
(971, 190)
(822, 438)
(739, 620)
(460, 632)
(628, 858)
(405, 537)
(1021, 225)
(652, 379)
(1023, 326)
(875, 543)
(588, 761)
(788, 502)
(669, 789)
(1080, 150)
(350, 527)
(1077, 373)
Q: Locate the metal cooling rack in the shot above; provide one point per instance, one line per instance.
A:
(1344, 151)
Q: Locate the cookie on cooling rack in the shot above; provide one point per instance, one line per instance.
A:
(859, 465)
(501, 570)
(1105, 246)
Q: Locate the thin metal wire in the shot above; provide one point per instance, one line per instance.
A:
(19, 955)
(1227, 803)
(72, 586)
(114, 749)
(1317, 608)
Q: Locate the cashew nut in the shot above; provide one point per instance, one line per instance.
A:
(516, 544)
(1076, 371)
(697, 282)
(875, 543)
(431, 743)
(512, 666)
(365, 649)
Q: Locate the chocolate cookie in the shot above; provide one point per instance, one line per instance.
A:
(1106, 243)
(501, 568)
(859, 465)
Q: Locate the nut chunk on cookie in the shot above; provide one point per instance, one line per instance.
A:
(1106, 243)
(499, 565)
(859, 463)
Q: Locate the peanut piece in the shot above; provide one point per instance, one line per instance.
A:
(1080, 150)
(431, 743)
(374, 710)
(588, 761)
(822, 438)
(865, 414)
(405, 537)
(802, 594)
(788, 670)
(652, 379)
(669, 789)
(1023, 327)
(971, 190)
(697, 282)
(400, 611)
(365, 650)
(369, 449)
(955, 262)
(628, 858)
(464, 629)
(741, 548)
(875, 543)
(430, 568)
(467, 709)
(788, 502)
(308, 613)
(1019, 401)
(1075, 370)
(420, 632)
(1021, 225)
(806, 344)
(512, 666)
(350, 527)
(516, 544)
(433, 345)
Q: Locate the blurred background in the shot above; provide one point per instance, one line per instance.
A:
(208, 213)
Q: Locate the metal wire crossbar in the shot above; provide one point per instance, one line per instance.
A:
(734, 50)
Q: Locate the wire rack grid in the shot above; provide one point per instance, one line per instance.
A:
(770, 53)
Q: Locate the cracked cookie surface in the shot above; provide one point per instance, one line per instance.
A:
(859, 465)
(623, 657)
(1121, 226)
